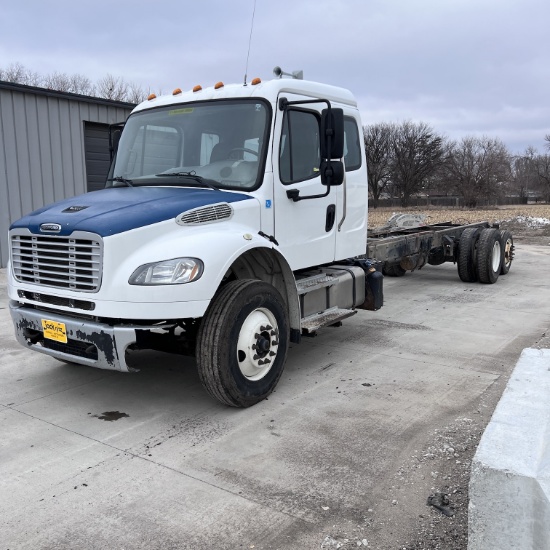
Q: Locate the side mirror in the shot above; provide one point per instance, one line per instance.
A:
(332, 172)
(332, 133)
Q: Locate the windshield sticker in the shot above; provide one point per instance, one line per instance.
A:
(185, 111)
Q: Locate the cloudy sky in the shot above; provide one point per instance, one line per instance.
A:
(467, 67)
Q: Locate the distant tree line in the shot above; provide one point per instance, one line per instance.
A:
(411, 159)
(404, 160)
(108, 87)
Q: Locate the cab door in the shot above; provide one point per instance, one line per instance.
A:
(305, 230)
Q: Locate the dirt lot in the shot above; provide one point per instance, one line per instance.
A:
(515, 217)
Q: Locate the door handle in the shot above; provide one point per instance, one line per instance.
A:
(331, 216)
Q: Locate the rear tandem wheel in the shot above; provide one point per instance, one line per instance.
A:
(507, 243)
(489, 255)
(467, 268)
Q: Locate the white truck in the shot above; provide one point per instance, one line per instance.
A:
(234, 221)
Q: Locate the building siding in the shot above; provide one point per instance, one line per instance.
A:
(42, 149)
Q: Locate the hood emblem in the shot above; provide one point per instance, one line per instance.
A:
(50, 228)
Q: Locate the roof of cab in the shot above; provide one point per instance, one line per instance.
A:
(269, 90)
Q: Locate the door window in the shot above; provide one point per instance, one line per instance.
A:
(352, 145)
(300, 155)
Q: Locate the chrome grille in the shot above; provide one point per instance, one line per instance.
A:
(73, 263)
(206, 214)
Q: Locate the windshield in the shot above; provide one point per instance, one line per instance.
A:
(218, 144)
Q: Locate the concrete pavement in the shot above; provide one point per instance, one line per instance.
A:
(510, 483)
(182, 471)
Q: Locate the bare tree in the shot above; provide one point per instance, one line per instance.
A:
(547, 139)
(112, 87)
(542, 167)
(60, 82)
(477, 168)
(524, 173)
(417, 152)
(109, 87)
(18, 74)
(378, 140)
(136, 94)
(80, 84)
(15, 73)
(76, 83)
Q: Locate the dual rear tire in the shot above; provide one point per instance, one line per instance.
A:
(484, 254)
(489, 256)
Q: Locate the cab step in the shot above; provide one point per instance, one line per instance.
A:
(312, 323)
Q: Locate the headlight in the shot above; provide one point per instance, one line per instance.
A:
(168, 272)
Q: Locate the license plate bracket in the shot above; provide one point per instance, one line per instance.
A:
(53, 330)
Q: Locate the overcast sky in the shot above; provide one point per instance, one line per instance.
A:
(467, 67)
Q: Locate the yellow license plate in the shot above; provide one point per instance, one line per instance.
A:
(54, 331)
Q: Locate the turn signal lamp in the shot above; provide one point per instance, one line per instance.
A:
(256, 81)
(177, 91)
(151, 96)
(197, 88)
(218, 85)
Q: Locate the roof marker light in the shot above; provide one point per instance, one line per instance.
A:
(151, 96)
(177, 91)
(197, 88)
(218, 85)
(256, 81)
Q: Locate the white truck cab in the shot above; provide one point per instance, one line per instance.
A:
(225, 231)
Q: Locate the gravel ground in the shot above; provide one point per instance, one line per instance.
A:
(523, 216)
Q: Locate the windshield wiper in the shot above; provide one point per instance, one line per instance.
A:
(190, 175)
(120, 179)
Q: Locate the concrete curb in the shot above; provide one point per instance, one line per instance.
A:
(510, 482)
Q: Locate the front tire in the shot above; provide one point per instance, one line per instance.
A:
(242, 343)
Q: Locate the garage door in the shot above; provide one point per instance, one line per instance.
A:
(96, 146)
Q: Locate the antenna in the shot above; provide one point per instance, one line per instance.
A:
(249, 42)
(298, 75)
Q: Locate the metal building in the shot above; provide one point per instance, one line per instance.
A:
(53, 145)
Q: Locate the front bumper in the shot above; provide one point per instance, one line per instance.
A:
(88, 343)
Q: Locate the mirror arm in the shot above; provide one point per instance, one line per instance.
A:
(294, 194)
(284, 103)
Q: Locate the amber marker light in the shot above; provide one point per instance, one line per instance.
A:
(197, 88)
(151, 96)
(218, 85)
(177, 91)
(256, 81)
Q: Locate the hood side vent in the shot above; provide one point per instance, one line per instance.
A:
(206, 214)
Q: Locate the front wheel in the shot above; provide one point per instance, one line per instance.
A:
(242, 343)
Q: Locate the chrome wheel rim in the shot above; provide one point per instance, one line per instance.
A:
(258, 344)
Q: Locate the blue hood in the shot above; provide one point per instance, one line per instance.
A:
(111, 211)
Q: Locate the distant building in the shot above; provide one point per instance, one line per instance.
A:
(53, 145)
